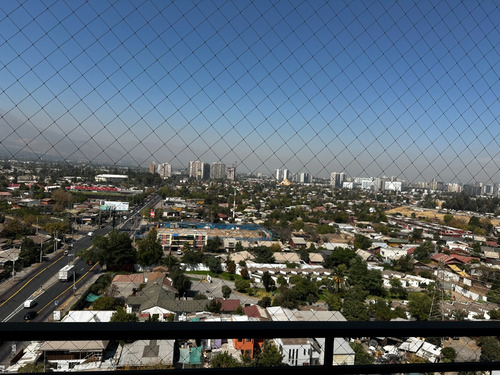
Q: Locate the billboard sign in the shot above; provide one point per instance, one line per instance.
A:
(113, 206)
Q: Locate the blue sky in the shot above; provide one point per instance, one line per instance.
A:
(371, 88)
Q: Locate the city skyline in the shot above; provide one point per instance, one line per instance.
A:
(384, 88)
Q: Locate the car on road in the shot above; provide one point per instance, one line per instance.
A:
(29, 303)
(30, 315)
(90, 234)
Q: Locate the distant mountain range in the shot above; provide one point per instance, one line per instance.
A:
(25, 140)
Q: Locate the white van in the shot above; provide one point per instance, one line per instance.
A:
(29, 303)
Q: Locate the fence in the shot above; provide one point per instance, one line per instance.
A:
(312, 119)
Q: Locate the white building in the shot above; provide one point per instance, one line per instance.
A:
(392, 253)
(310, 351)
(165, 170)
(110, 177)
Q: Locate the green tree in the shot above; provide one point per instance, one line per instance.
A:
(449, 354)
(361, 356)
(214, 306)
(368, 280)
(423, 252)
(490, 349)
(34, 367)
(214, 245)
(149, 249)
(354, 306)
(270, 356)
(213, 263)
(115, 251)
(265, 301)
(121, 316)
(268, 281)
(104, 303)
(263, 254)
(242, 285)
(192, 258)
(30, 252)
(361, 242)
(339, 256)
(420, 306)
(397, 289)
(226, 291)
(224, 360)
(474, 222)
(180, 281)
(333, 301)
(448, 219)
(171, 262)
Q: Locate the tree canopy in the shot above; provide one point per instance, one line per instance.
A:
(115, 251)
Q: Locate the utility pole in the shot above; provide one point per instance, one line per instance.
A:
(234, 203)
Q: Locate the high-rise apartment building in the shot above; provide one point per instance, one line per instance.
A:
(305, 178)
(231, 173)
(337, 179)
(287, 175)
(152, 167)
(165, 170)
(197, 170)
(218, 171)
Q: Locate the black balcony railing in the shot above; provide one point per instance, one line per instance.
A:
(326, 330)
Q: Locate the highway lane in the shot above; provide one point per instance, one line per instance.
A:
(43, 284)
(11, 303)
(49, 299)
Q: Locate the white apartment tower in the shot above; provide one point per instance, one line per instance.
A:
(337, 179)
(165, 170)
(196, 169)
(231, 173)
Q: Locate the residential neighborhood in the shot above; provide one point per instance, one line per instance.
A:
(250, 250)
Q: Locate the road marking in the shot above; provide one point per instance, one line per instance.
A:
(70, 287)
(29, 281)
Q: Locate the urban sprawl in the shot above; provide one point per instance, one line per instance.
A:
(207, 244)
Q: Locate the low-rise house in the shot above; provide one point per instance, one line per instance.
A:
(492, 257)
(146, 353)
(452, 258)
(316, 258)
(66, 355)
(390, 254)
(310, 351)
(286, 257)
(241, 256)
(127, 285)
(228, 305)
(297, 243)
(366, 255)
(88, 316)
(156, 300)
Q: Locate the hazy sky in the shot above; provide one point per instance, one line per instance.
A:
(397, 88)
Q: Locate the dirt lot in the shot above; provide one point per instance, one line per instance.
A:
(431, 214)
